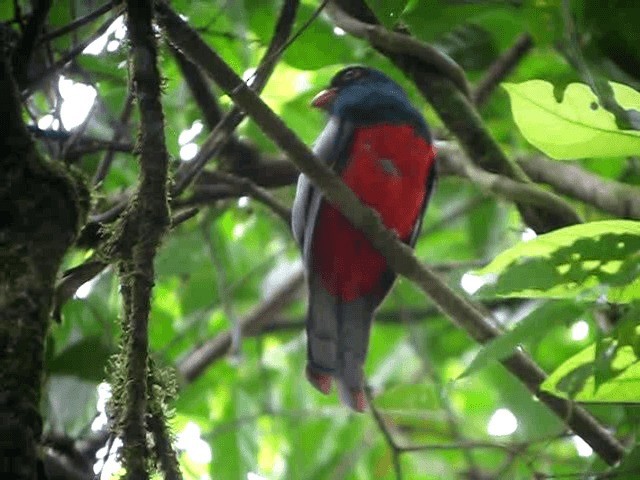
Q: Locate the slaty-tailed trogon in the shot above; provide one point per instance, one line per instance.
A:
(381, 147)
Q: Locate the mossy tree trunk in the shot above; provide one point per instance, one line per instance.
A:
(41, 206)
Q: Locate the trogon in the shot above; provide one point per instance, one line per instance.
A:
(381, 147)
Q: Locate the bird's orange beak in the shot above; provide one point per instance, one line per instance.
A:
(325, 98)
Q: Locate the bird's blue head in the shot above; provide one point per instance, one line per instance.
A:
(364, 95)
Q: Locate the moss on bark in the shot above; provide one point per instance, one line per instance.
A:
(41, 207)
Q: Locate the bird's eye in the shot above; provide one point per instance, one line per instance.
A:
(352, 74)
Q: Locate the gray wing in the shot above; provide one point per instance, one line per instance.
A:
(323, 325)
(432, 178)
(330, 147)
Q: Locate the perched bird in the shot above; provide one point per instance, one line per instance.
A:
(380, 146)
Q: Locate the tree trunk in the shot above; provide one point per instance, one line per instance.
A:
(41, 206)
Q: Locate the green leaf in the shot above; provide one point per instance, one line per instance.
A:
(627, 331)
(84, 359)
(532, 326)
(318, 45)
(577, 127)
(621, 388)
(591, 260)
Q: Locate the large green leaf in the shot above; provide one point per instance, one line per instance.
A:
(532, 326)
(589, 260)
(577, 378)
(577, 127)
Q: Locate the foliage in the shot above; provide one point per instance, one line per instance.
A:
(432, 384)
(575, 127)
(597, 260)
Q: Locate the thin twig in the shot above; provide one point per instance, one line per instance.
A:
(250, 189)
(599, 86)
(501, 68)
(386, 433)
(77, 23)
(220, 135)
(33, 84)
(196, 361)
(121, 128)
(222, 284)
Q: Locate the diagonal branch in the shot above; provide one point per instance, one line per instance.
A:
(200, 358)
(399, 256)
(501, 68)
(78, 22)
(523, 193)
(616, 198)
(219, 137)
(31, 84)
(399, 43)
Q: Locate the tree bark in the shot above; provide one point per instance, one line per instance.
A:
(41, 207)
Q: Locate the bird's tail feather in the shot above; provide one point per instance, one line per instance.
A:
(354, 321)
(337, 343)
(322, 336)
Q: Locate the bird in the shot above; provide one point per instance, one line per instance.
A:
(381, 147)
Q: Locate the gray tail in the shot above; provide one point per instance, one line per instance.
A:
(354, 321)
(337, 343)
(322, 331)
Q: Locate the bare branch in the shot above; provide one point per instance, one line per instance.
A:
(121, 128)
(77, 23)
(386, 433)
(244, 186)
(569, 179)
(34, 83)
(501, 68)
(218, 138)
(201, 357)
(518, 192)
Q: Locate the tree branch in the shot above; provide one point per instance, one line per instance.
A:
(196, 361)
(218, 138)
(77, 23)
(244, 186)
(119, 132)
(501, 68)
(43, 205)
(398, 255)
(32, 83)
(569, 179)
(399, 43)
(137, 238)
(519, 192)
(386, 433)
(26, 45)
